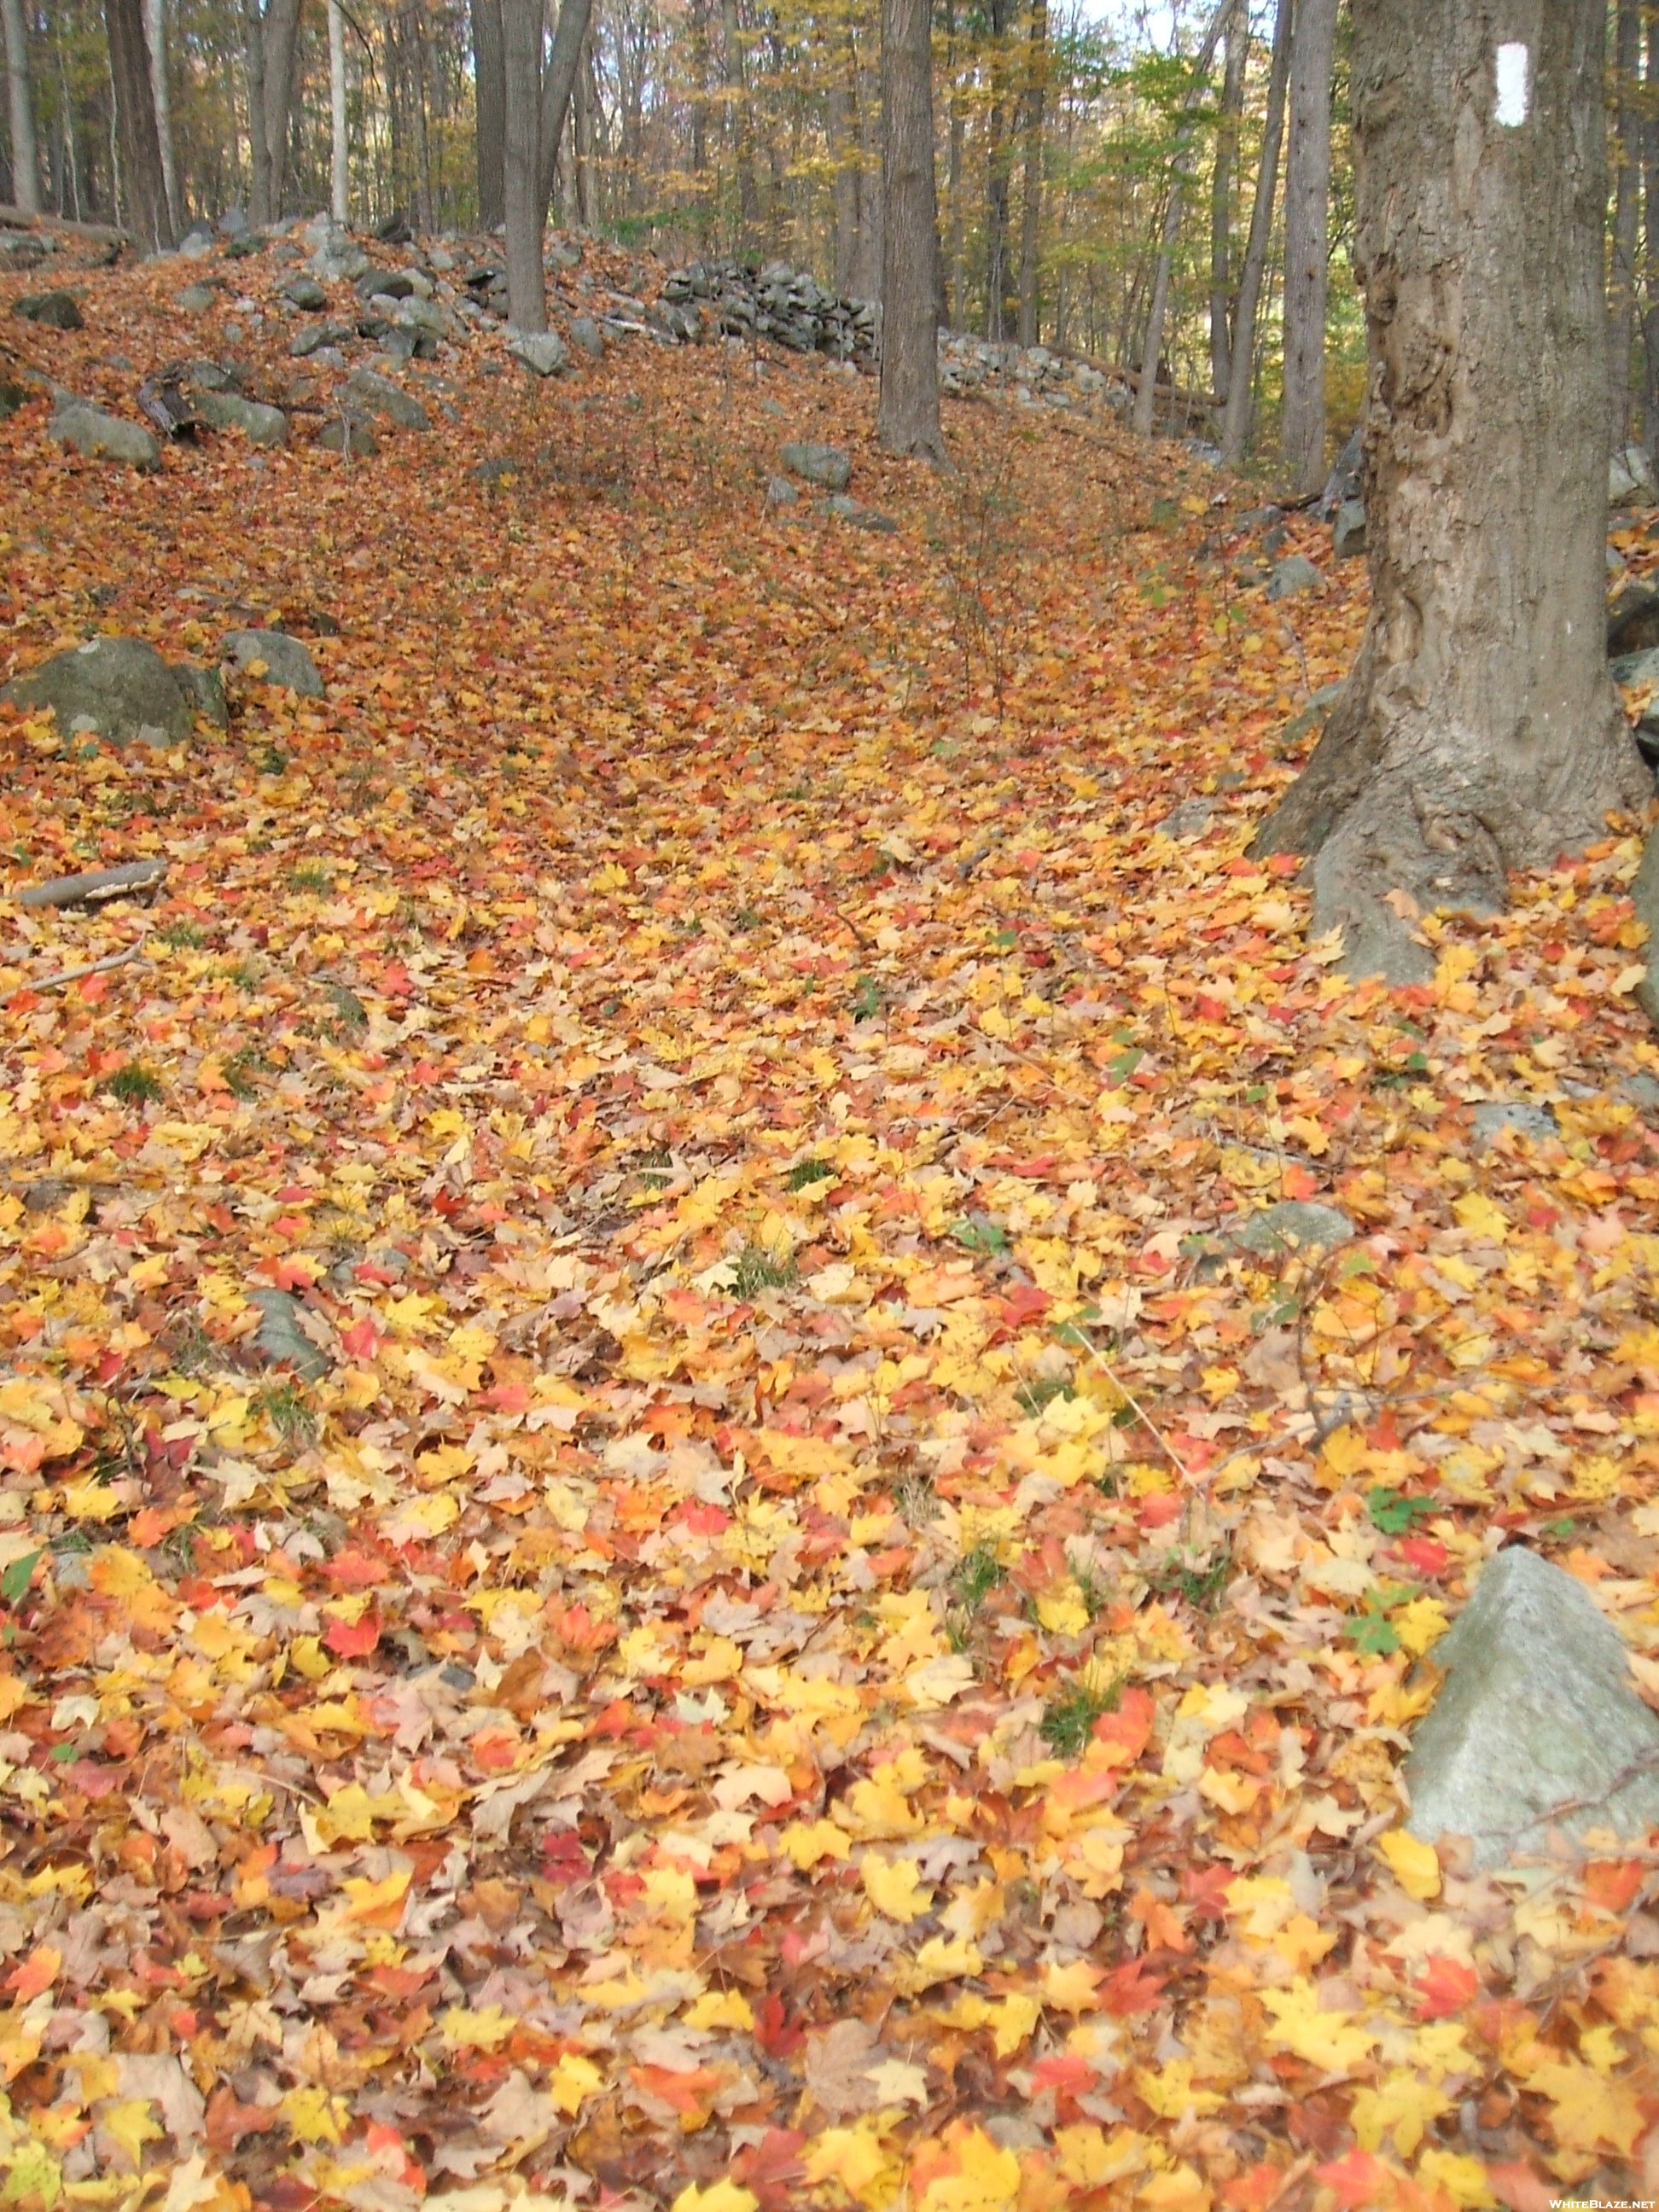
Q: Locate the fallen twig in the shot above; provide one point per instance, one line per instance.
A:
(94, 885)
(92, 968)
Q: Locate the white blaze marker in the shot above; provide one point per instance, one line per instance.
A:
(1511, 109)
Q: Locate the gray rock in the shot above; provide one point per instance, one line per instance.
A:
(287, 663)
(350, 434)
(307, 342)
(845, 508)
(418, 315)
(205, 688)
(196, 243)
(1537, 1712)
(13, 396)
(587, 337)
(543, 353)
(279, 1340)
(1292, 1224)
(1493, 1115)
(101, 437)
(1642, 1091)
(500, 468)
(1348, 531)
(119, 687)
(1634, 620)
(1629, 478)
(1293, 575)
(1644, 898)
(233, 223)
(779, 492)
(825, 466)
(1190, 819)
(227, 411)
(305, 292)
(1346, 480)
(55, 311)
(197, 299)
(383, 398)
(1628, 670)
(339, 260)
(1313, 716)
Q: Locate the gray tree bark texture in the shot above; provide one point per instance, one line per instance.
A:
(135, 124)
(1307, 242)
(1238, 38)
(1240, 385)
(259, 203)
(558, 83)
(1478, 730)
(339, 163)
(282, 41)
(906, 414)
(156, 32)
(25, 155)
(1030, 214)
(524, 206)
(1180, 173)
(1627, 199)
(490, 112)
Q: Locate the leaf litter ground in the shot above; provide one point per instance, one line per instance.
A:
(783, 1613)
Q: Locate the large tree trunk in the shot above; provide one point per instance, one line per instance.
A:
(1241, 388)
(282, 39)
(25, 160)
(1478, 732)
(339, 192)
(489, 80)
(1238, 38)
(1181, 170)
(558, 83)
(135, 124)
(1306, 226)
(839, 109)
(258, 151)
(907, 416)
(525, 202)
(1627, 192)
(155, 34)
(998, 156)
(1031, 210)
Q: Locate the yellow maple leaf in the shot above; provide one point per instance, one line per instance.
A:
(313, 2115)
(130, 2125)
(1462, 2180)
(1332, 2041)
(1063, 1613)
(807, 1842)
(1476, 1212)
(1414, 1865)
(1420, 1623)
(855, 2157)
(1401, 2108)
(894, 1886)
(987, 2179)
(1071, 1987)
(936, 1961)
(1089, 2158)
(719, 2196)
(572, 2080)
(464, 2030)
(722, 2008)
(1591, 2113)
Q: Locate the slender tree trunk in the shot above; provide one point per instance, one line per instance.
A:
(423, 147)
(1650, 242)
(844, 154)
(1238, 38)
(24, 161)
(1307, 219)
(490, 83)
(1031, 209)
(957, 315)
(907, 416)
(998, 157)
(281, 38)
(1627, 196)
(156, 34)
(1181, 170)
(1478, 732)
(581, 136)
(525, 201)
(259, 153)
(135, 123)
(1240, 385)
(558, 83)
(737, 86)
(339, 166)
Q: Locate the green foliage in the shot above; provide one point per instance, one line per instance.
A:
(805, 1173)
(134, 1084)
(755, 1269)
(1070, 1715)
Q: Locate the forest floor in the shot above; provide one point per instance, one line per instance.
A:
(827, 1633)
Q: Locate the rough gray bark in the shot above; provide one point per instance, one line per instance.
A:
(741, 121)
(1179, 173)
(1307, 242)
(1627, 194)
(523, 204)
(490, 107)
(156, 32)
(958, 309)
(25, 157)
(135, 124)
(1478, 732)
(1236, 36)
(259, 202)
(282, 41)
(999, 155)
(1037, 49)
(1235, 421)
(1651, 243)
(558, 83)
(907, 416)
(843, 153)
(339, 164)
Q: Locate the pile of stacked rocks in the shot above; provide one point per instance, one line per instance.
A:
(786, 304)
(1030, 375)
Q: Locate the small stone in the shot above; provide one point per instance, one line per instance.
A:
(1191, 818)
(349, 434)
(1629, 478)
(825, 466)
(286, 662)
(1644, 899)
(779, 492)
(501, 468)
(1537, 1712)
(13, 396)
(304, 292)
(587, 337)
(227, 410)
(55, 311)
(1292, 1224)
(307, 342)
(543, 353)
(1293, 575)
(1494, 1116)
(1348, 532)
(195, 299)
(101, 437)
(279, 1340)
(117, 688)
(233, 223)
(196, 243)
(386, 399)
